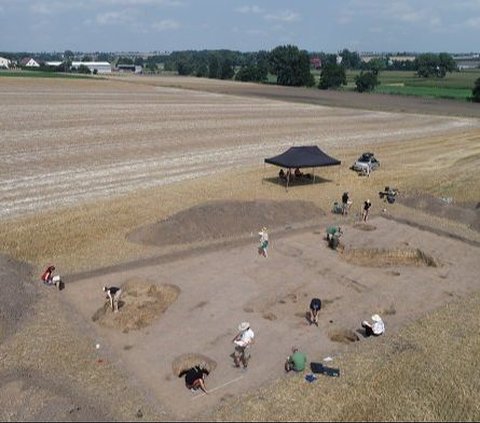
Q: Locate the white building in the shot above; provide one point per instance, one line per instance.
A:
(53, 64)
(4, 63)
(100, 67)
(28, 62)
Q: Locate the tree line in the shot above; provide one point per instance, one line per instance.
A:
(284, 65)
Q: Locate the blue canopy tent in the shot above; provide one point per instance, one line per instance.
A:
(301, 157)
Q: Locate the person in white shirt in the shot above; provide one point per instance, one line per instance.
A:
(376, 328)
(263, 247)
(113, 296)
(243, 340)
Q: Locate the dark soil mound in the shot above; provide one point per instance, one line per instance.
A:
(17, 294)
(445, 207)
(224, 219)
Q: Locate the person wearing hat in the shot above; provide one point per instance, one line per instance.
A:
(296, 361)
(376, 328)
(113, 295)
(243, 340)
(262, 249)
(366, 209)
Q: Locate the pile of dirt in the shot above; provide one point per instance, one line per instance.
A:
(343, 335)
(364, 226)
(443, 207)
(224, 219)
(375, 257)
(140, 304)
(183, 363)
(17, 294)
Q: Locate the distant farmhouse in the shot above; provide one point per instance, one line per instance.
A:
(99, 67)
(128, 68)
(29, 62)
(316, 62)
(468, 61)
(4, 63)
(391, 59)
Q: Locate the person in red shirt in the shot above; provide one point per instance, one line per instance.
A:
(47, 276)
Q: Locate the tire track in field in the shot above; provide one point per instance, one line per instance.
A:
(52, 189)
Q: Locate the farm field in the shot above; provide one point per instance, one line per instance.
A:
(156, 181)
(455, 85)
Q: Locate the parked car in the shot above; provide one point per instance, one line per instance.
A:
(364, 161)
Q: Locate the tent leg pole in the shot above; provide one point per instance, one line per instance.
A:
(313, 171)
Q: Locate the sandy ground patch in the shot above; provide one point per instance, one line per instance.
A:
(220, 289)
(140, 304)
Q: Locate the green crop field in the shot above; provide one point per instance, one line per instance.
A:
(456, 85)
(425, 91)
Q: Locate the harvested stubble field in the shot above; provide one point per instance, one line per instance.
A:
(87, 164)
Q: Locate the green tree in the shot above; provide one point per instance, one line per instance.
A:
(84, 69)
(332, 76)
(184, 67)
(291, 66)
(350, 59)
(68, 54)
(213, 66)
(476, 91)
(428, 65)
(226, 69)
(251, 73)
(122, 60)
(446, 62)
(103, 57)
(376, 65)
(68, 57)
(151, 67)
(201, 70)
(366, 81)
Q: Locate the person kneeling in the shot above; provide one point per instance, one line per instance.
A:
(296, 361)
(376, 328)
(195, 378)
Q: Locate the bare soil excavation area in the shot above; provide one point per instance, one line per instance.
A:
(65, 356)
(220, 289)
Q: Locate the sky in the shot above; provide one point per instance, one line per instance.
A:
(329, 26)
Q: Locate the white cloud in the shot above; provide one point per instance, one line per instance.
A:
(256, 32)
(141, 2)
(165, 25)
(41, 9)
(473, 23)
(249, 9)
(283, 16)
(114, 18)
(49, 7)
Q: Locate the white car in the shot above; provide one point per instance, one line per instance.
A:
(365, 161)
